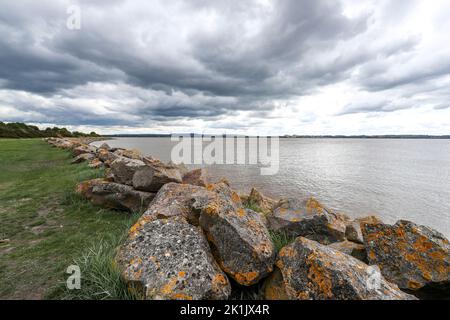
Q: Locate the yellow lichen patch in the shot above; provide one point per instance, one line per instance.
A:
(134, 230)
(235, 198)
(246, 278)
(167, 289)
(414, 285)
(181, 274)
(241, 212)
(181, 296)
(371, 255)
(319, 277)
(422, 244)
(288, 252)
(219, 281)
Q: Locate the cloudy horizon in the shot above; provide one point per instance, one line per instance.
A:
(254, 67)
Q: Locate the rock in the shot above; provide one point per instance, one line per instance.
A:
(170, 259)
(309, 270)
(124, 169)
(175, 199)
(83, 157)
(106, 156)
(264, 204)
(197, 177)
(104, 146)
(115, 196)
(353, 229)
(239, 240)
(95, 164)
(353, 249)
(154, 175)
(131, 154)
(308, 219)
(414, 257)
(83, 149)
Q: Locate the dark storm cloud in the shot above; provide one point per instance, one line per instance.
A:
(198, 59)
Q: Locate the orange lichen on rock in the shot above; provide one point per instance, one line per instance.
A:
(318, 275)
(246, 278)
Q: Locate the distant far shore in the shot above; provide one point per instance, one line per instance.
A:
(289, 136)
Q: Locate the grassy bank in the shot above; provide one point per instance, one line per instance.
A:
(45, 226)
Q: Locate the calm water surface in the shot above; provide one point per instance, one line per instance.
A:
(394, 179)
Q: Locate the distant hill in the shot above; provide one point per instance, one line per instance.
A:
(22, 130)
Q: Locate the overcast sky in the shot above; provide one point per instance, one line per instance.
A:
(254, 66)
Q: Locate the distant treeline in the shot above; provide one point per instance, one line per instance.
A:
(22, 130)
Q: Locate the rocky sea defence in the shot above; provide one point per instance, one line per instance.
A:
(198, 239)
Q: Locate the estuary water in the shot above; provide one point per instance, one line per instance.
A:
(391, 178)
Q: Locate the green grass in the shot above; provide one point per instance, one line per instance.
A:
(280, 240)
(47, 226)
(252, 206)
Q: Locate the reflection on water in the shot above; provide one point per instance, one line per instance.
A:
(392, 178)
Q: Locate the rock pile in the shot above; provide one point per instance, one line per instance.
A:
(198, 240)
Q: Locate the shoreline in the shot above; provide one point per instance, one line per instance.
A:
(154, 186)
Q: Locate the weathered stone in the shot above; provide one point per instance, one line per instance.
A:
(83, 149)
(124, 169)
(95, 164)
(106, 156)
(353, 249)
(264, 204)
(104, 146)
(170, 259)
(239, 239)
(414, 257)
(154, 175)
(309, 270)
(353, 229)
(197, 177)
(131, 154)
(308, 219)
(175, 199)
(83, 157)
(114, 195)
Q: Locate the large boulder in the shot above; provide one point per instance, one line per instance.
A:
(308, 270)
(123, 169)
(154, 175)
(239, 239)
(131, 154)
(170, 259)
(105, 146)
(308, 219)
(175, 199)
(197, 177)
(106, 156)
(95, 164)
(83, 149)
(83, 158)
(264, 204)
(114, 196)
(414, 257)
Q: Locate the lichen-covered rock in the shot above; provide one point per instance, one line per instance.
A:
(353, 249)
(239, 239)
(170, 259)
(131, 154)
(353, 228)
(154, 175)
(197, 177)
(104, 146)
(106, 156)
(83, 149)
(265, 204)
(308, 219)
(115, 196)
(175, 199)
(123, 169)
(95, 164)
(83, 157)
(412, 256)
(309, 270)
